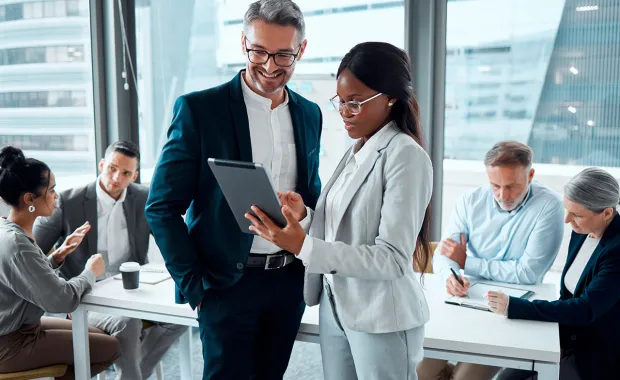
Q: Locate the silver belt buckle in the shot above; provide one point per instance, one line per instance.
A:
(281, 257)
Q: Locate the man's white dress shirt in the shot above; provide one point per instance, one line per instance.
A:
(273, 145)
(112, 235)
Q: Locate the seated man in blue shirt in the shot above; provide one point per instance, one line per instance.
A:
(509, 232)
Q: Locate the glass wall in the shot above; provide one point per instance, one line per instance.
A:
(46, 102)
(540, 72)
(206, 51)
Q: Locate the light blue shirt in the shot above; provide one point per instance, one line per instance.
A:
(516, 247)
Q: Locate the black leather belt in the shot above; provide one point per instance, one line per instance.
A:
(272, 261)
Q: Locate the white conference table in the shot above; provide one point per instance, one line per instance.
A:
(453, 333)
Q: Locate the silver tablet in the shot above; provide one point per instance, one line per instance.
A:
(245, 184)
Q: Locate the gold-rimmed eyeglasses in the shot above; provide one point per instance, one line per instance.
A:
(353, 107)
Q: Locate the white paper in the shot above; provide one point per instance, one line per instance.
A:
(476, 295)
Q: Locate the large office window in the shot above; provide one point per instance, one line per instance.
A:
(540, 72)
(41, 54)
(24, 10)
(175, 57)
(46, 102)
(39, 99)
(59, 142)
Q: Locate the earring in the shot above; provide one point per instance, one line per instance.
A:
(31, 208)
(390, 104)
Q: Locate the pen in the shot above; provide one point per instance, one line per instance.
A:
(457, 277)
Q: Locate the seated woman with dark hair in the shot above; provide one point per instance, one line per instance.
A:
(588, 310)
(29, 284)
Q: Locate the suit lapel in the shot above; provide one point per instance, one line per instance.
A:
(240, 119)
(90, 214)
(297, 116)
(572, 254)
(364, 170)
(608, 240)
(318, 222)
(356, 182)
(600, 248)
(130, 218)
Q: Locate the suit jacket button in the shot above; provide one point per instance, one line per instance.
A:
(240, 266)
(333, 272)
(573, 337)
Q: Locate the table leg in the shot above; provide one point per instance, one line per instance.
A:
(81, 353)
(547, 371)
(185, 354)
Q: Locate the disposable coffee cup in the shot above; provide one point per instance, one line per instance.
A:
(130, 271)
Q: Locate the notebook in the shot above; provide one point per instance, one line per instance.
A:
(151, 274)
(476, 295)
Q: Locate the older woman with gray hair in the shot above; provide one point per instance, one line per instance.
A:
(588, 310)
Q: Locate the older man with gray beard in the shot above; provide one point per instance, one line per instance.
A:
(510, 231)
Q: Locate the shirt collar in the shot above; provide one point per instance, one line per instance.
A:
(254, 99)
(525, 199)
(361, 150)
(105, 198)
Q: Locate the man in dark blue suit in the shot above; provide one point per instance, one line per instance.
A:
(248, 292)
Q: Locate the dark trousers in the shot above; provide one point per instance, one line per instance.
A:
(51, 343)
(248, 330)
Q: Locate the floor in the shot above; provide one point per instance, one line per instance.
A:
(305, 363)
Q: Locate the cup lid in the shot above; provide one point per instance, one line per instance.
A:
(130, 266)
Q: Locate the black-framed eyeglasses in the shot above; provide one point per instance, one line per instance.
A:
(260, 57)
(353, 107)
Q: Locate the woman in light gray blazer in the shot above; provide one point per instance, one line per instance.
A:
(370, 224)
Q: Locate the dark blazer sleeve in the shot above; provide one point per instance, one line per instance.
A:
(598, 297)
(172, 190)
(141, 229)
(48, 231)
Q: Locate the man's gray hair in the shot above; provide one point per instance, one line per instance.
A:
(594, 189)
(509, 153)
(278, 12)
